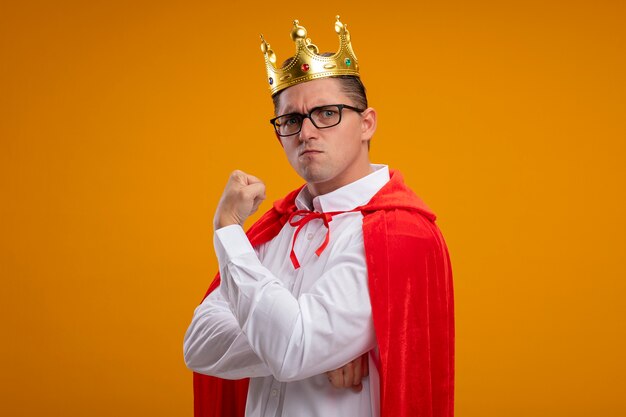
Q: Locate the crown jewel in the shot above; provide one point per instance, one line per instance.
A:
(307, 64)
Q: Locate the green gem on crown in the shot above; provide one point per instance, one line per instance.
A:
(348, 62)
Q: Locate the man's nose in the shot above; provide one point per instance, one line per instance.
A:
(308, 129)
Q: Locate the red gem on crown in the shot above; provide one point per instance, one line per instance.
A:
(305, 67)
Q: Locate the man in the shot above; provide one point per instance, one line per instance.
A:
(345, 283)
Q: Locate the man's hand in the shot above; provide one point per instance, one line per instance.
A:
(241, 198)
(351, 374)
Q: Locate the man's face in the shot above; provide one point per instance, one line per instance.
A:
(327, 158)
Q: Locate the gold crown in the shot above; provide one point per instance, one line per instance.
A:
(307, 64)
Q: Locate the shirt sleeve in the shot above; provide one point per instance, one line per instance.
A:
(215, 345)
(296, 338)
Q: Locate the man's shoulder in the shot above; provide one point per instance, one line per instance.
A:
(397, 196)
(400, 217)
(399, 222)
(395, 240)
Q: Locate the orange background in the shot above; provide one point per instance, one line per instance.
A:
(120, 121)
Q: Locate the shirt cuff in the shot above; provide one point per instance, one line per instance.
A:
(231, 242)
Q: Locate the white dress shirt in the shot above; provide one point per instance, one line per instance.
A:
(285, 327)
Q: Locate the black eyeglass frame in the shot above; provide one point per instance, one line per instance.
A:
(340, 107)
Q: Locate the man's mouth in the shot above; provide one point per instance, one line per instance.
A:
(309, 151)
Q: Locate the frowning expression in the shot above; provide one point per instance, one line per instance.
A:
(332, 157)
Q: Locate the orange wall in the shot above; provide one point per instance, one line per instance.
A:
(120, 122)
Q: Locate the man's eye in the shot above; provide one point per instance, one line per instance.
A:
(291, 121)
(327, 113)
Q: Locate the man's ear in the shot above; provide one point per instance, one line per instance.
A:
(368, 123)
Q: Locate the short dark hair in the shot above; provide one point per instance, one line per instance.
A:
(351, 85)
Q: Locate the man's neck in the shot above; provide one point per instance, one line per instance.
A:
(321, 188)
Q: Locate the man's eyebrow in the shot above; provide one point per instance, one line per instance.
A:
(289, 110)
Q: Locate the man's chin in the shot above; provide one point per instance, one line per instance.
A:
(314, 176)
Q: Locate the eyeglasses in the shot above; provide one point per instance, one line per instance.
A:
(322, 117)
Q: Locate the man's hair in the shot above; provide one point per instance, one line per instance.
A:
(352, 86)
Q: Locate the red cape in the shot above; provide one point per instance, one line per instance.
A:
(410, 282)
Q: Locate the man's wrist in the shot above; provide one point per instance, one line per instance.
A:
(223, 221)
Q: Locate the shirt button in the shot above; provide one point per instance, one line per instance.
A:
(274, 392)
(309, 236)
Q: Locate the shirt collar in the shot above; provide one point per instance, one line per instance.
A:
(349, 196)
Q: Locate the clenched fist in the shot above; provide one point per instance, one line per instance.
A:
(241, 198)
